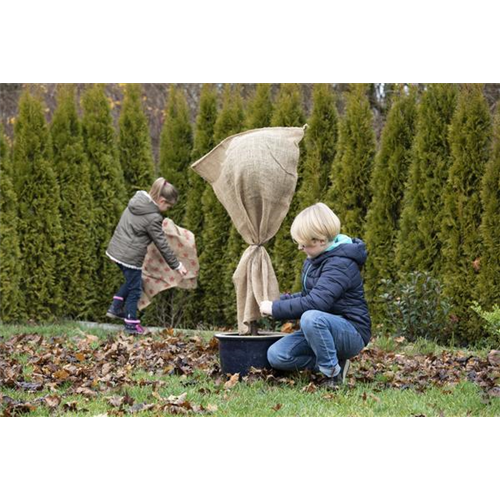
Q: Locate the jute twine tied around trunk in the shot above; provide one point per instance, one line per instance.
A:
(254, 175)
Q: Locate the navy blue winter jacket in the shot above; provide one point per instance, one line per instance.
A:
(331, 282)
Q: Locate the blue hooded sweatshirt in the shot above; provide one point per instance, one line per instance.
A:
(331, 282)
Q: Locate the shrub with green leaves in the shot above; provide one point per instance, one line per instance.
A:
(416, 307)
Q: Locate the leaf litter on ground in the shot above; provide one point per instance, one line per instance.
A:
(87, 366)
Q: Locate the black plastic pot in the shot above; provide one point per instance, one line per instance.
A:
(238, 353)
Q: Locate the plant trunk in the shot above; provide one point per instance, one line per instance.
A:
(254, 330)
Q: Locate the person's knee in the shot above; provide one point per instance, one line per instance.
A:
(309, 320)
(276, 357)
(272, 355)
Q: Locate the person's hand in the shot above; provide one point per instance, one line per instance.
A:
(182, 270)
(266, 308)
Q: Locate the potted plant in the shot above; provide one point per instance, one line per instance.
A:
(253, 175)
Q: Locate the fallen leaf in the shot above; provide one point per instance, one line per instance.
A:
(277, 407)
(288, 328)
(232, 381)
(177, 400)
(169, 369)
(309, 388)
(61, 374)
(494, 358)
(106, 368)
(30, 386)
(140, 407)
(115, 401)
(70, 406)
(85, 391)
(495, 392)
(128, 400)
(52, 401)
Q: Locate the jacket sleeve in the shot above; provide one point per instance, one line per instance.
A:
(288, 296)
(155, 230)
(335, 279)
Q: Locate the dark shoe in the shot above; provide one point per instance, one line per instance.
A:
(135, 329)
(115, 313)
(339, 379)
(112, 313)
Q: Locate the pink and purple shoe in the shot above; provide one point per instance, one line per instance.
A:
(134, 327)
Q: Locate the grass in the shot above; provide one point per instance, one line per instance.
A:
(258, 398)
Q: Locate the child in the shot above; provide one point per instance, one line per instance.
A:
(140, 224)
(334, 319)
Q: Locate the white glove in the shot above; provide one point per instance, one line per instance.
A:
(181, 269)
(266, 308)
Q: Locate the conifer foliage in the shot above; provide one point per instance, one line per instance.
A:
(419, 242)
(488, 292)
(11, 299)
(136, 157)
(108, 188)
(388, 181)
(77, 268)
(40, 235)
(260, 107)
(470, 136)
(350, 195)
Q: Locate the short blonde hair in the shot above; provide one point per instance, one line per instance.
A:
(163, 189)
(317, 222)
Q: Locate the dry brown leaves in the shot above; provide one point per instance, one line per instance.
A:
(86, 366)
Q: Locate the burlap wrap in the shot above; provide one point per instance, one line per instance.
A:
(254, 175)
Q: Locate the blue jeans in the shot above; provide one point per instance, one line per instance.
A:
(131, 290)
(322, 341)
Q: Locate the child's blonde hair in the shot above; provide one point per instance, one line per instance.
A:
(162, 188)
(317, 222)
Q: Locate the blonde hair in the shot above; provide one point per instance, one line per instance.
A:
(316, 222)
(162, 188)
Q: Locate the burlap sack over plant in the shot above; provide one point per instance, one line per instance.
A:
(254, 175)
(158, 276)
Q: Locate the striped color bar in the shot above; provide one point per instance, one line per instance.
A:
(249, 457)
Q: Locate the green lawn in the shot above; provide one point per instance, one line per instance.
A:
(69, 370)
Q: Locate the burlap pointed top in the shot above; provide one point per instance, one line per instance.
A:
(254, 174)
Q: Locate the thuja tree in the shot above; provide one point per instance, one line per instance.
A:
(10, 263)
(108, 187)
(176, 146)
(215, 264)
(470, 135)
(193, 220)
(387, 185)
(40, 235)
(350, 195)
(488, 290)
(288, 112)
(260, 107)
(77, 268)
(134, 142)
(419, 242)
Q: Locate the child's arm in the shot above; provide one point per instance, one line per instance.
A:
(155, 230)
(266, 306)
(331, 285)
